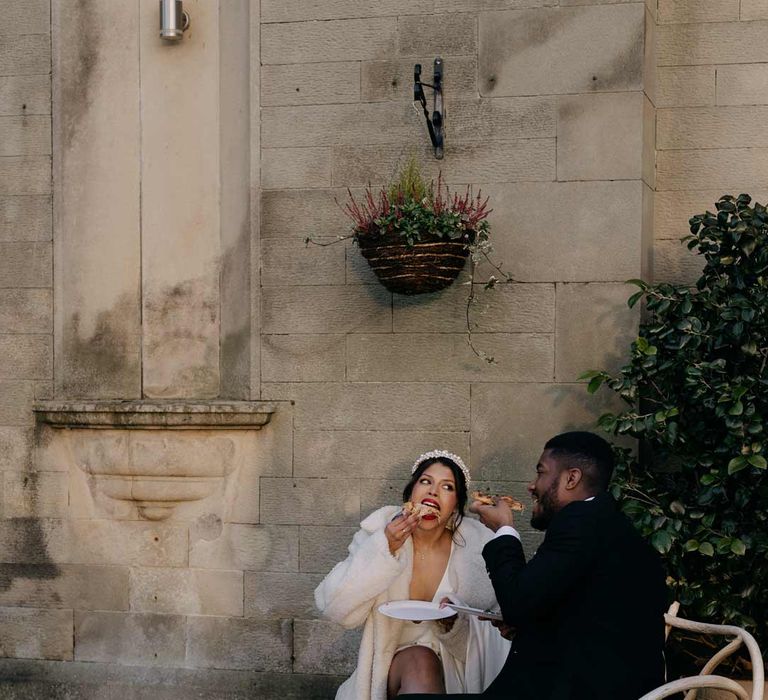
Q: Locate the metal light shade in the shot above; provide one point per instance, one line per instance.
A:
(173, 20)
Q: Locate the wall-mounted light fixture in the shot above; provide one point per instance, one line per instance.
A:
(174, 21)
(435, 123)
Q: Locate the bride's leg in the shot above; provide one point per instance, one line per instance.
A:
(415, 669)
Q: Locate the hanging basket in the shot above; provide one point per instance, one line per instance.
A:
(428, 265)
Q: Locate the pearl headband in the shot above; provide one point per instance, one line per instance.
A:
(438, 454)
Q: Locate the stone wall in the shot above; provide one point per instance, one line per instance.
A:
(710, 130)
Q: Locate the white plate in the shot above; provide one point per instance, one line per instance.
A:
(414, 610)
(476, 611)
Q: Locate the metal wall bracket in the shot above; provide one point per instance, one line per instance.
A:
(435, 122)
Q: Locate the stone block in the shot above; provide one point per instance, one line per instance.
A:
(15, 448)
(295, 167)
(390, 80)
(323, 547)
(754, 9)
(594, 328)
(310, 83)
(244, 644)
(302, 358)
(25, 94)
(418, 406)
(26, 54)
(26, 310)
(710, 43)
(130, 639)
(712, 127)
(270, 595)
(187, 591)
(685, 86)
(508, 308)
(437, 35)
(30, 17)
(16, 400)
(26, 264)
(28, 633)
(292, 261)
(600, 137)
(482, 5)
(324, 647)
(26, 218)
(302, 213)
(502, 119)
(64, 586)
(551, 50)
(335, 40)
(25, 135)
(649, 148)
(723, 169)
(376, 493)
(511, 423)
(302, 10)
(326, 310)
(302, 501)
(26, 356)
(25, 175)
(411, 357)
(33, 541)
(246, 548)
(742, 85)
(369, 454)
(674, 263)
(590, 216)
(35, 494)
(512, 161)
(671, 11)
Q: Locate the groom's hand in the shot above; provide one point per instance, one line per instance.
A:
(495, 516)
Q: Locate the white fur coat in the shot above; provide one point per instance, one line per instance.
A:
(352, 592)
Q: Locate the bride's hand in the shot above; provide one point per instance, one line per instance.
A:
(399, 530)
(446, 623)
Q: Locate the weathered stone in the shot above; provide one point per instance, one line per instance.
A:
(25, 218)
(551, 51)
(711, 43)
(686, 86)
(582, 218)
(648, 162)
(671, 11)
(30, 17)
(25, 175)
(674, 263)
(754, 9)
(511, 423)
(600, 137)
(246, 548)
(35, 494)
(292, 261)
(508, 308)
(15, 448)
(411, 357)
(187, 591)
(323, 547)
(310, 83)
(28, 633)
(368, 454)
(25, 94)
(129, 638)
(303, 358)
(26, 310)
(321, 646)
(337, 40)
(24, 264)
(376, 493)
(437, 35)
(270, 595)
(712, 127)
(302, 213)
(247, 644)
(302, 10)
(369, 406)
(26, 356)
(16, 403)
(389, 80)
(742, 85)
(25, 136)
(25, 54)
(594, 328)
(325, 309)
(724, 169)
(64, 586)
(475, 5)
(295, 167)
(303, 501)
(502, 119)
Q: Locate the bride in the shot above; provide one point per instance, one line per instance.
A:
(395, 556)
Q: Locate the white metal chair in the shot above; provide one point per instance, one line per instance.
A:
(706, 679)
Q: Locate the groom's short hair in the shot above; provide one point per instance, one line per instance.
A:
(587, 451)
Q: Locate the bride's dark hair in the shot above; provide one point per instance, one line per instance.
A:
(458, 476)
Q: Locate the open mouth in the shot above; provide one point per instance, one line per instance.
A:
(431, 502)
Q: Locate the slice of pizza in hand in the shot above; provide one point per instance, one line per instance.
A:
(420, 509)
(488, 500)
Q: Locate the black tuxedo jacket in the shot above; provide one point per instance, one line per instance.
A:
(588, 609)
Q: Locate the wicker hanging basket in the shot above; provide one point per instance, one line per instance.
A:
(428, 265)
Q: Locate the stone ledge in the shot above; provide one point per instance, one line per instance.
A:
(172, 414)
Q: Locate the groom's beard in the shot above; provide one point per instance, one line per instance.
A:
(547, 507)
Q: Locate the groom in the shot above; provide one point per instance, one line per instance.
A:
(587, 611)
